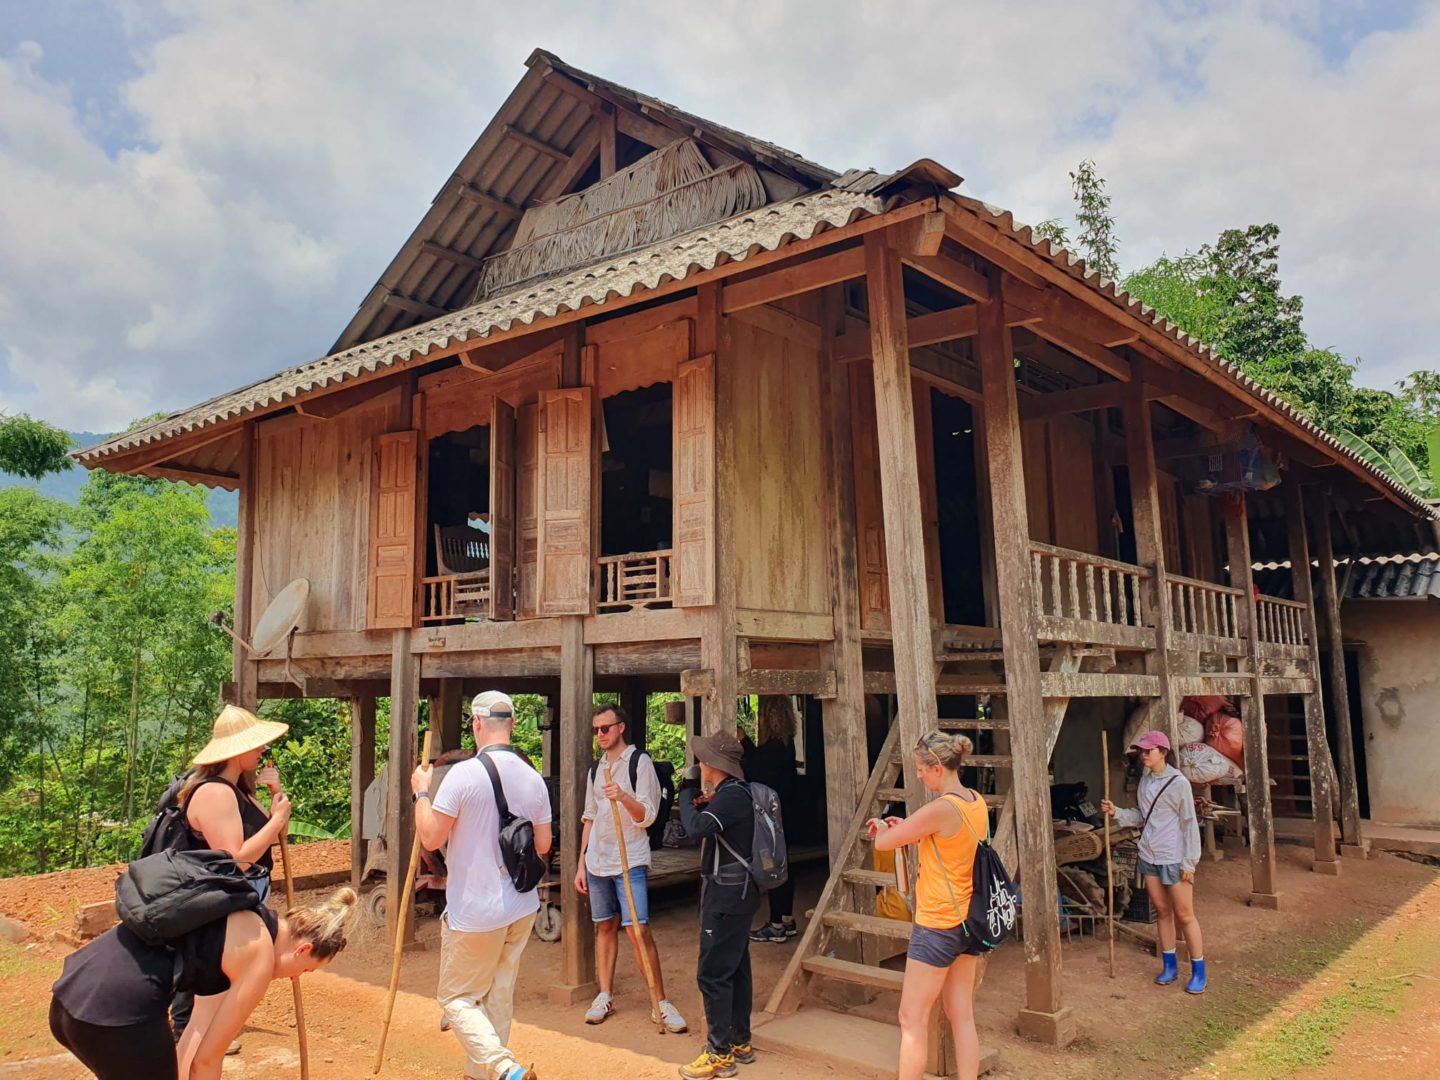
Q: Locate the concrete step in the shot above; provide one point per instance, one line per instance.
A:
(854, 1046)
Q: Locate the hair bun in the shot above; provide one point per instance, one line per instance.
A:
(962, 744)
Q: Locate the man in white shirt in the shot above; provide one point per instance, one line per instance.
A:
(487, 922)
(624, 776)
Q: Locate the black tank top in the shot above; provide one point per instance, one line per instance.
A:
(118, 980)
(252, 819)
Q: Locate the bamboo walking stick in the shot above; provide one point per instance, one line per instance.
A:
(635, 938)
(405, 894)
(1109, 865)
(295, 982)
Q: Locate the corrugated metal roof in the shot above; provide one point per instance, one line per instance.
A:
(1408, 578)
(1005, 223)
(732, 240)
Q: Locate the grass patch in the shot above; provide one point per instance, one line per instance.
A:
(1308, 1037)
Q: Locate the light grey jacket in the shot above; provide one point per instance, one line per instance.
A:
(1173, 835)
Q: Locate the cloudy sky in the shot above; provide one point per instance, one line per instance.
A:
(197, 193)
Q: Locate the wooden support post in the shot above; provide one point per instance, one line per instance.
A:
(842, 716)
(1150, 553)
(1044, 1017)
(913, 646)
(246, 668)
(399, 816)
(1354, 843)
(1263, 891)
(577, 682)
(445, 716)
(362, 775)
(719, 644)
(1322, 797)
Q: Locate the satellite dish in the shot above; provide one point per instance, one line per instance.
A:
(283, 615)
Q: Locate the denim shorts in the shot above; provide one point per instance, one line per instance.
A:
(607, 896)
(1168, 873)
(940, 948)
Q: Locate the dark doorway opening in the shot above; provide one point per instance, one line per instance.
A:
(635, 471)
(957, 501)
(458, 484)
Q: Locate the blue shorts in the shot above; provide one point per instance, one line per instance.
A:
(940, 948)
(607, 896)
(1168, 873)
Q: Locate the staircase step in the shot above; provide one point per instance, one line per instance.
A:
(969, 654)
(868, 924)
(975, 725)
(848, 971)
(978, 761)
(967, 686)
(881, 879)
(895, 794)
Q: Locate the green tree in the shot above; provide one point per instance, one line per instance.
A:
(32, 448)
(1096, 239)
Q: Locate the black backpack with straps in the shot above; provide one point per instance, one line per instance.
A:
(517, 834)
(665, 774)
(993, 904)
(165, 896)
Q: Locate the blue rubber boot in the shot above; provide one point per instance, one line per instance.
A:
(1196, 985)
(1170, 972)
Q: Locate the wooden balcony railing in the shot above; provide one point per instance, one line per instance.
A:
(1282, 622)
(1087, 598)
(454, 596)
(637, 580)
(1206, 613)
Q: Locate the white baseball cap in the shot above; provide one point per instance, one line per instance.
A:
(491, 702)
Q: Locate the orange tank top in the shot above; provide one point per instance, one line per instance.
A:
(936, 906)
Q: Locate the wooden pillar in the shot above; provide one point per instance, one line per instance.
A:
(912, 643)
(399, 815)
(1354, 842)
(445, 716)
(246, 668)
(719, 644)
(362, 774)
(1263, 891)
(1150, 553)
(842, 716)
(1322, 796)
(1044, 1017)
(577, 682)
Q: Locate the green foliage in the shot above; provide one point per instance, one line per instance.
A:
(1096, 240)
(1054, 230)
(314, 761)
(32, 448)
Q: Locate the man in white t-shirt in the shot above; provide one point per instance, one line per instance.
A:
(624, 776)
(487, 922)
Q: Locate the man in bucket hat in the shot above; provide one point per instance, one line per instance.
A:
(715, 803)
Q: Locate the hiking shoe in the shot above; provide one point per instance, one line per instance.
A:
(770, 932)
(520, 1072)
(670, 1016)
(791, 930)
(743, 1053)
(708, 1064)
(233, 1048)
(600, 1008)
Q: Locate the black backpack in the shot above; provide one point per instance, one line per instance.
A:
(517, 834)
(665, 773)
(768, 864)
(169, 831)
(167, 895)
(993, 906)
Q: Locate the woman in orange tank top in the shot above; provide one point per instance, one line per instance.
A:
(942, 961)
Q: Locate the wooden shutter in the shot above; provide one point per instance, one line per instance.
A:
(502, 510)
(527, 512)
(563, 567)
(693, 412)
(392, 531)
(1170, 520)
(869, 502)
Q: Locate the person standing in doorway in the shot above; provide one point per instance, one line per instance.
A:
(770, 760)
(716, 809)
(1169, 851)
(599, 876)
(487, 922)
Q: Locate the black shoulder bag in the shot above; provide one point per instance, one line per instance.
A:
(517, 836)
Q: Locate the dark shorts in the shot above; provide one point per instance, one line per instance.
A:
(1168, 873)
(940, 948)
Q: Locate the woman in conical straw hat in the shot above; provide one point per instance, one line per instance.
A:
(219, 797)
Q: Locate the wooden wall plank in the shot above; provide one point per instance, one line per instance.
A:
(502, 510)
(874, 576)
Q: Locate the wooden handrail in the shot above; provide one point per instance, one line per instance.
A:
(1208, 585)
(633, 580)
(1093, 560)
(1282, 622)
(1086, 588)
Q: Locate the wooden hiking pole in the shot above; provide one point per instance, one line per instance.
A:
(295, 982)
(1109, 865)
(635, 938)
(405, 894)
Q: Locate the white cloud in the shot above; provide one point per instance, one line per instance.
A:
(284, 149)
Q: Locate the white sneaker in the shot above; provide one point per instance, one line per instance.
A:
(599, 1009)
(674, 1022)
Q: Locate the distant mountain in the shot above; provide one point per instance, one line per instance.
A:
(65, 486)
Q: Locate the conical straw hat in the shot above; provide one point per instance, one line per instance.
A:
(238, 731)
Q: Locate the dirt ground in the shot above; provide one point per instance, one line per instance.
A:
(1339, 982)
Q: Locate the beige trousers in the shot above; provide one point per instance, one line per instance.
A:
(477, 991)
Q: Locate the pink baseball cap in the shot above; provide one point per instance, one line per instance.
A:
(1150, 740)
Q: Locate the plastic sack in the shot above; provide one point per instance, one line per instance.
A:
(1201, 763)
(1227, 735)
(1191, 730)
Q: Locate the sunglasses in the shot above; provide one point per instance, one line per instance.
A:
(604, 729)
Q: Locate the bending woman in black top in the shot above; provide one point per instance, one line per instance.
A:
(108, 1007)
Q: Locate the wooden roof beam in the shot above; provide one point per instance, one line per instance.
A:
(932, 328)
(488, 357)
(450, 255)
(1105, 395)
(540, 146)
(415, 307)
(471, 193)
(188, 475)
(792, 281)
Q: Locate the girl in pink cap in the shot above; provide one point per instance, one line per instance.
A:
(1169, 850)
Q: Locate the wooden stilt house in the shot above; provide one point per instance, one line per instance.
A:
(731, 422)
